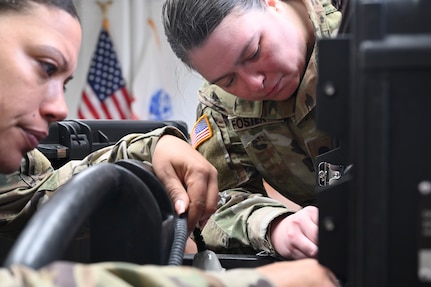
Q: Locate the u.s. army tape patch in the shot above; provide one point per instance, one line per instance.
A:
(201, 131)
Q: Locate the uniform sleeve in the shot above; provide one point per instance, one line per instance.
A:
(244, 215)
(126, 274)
(133, 146)
(241, 223)
(23, 192)
(19, 192)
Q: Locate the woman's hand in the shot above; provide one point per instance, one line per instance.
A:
(295, 236)
(180, 167)
(299, 273)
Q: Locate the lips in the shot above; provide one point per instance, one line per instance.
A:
(275, 89)
(34, 137)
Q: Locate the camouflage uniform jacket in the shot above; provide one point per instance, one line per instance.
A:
(253, 140)
(22, 192)
(126, 274)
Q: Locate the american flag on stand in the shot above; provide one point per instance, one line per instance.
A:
(105, 95)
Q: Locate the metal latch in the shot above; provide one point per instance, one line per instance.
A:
(329, 173)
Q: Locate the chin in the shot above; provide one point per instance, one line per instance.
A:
(284, 94)
(10, 165)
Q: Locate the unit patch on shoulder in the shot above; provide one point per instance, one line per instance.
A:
(201, 131)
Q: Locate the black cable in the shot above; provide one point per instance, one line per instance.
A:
(199, 240)
(179, 242)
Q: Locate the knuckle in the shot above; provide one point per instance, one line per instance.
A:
(199, 204)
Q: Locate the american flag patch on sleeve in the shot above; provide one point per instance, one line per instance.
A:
(201, 131)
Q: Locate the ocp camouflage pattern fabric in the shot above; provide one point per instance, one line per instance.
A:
(23, 192)
(272, 140)
(118, 274)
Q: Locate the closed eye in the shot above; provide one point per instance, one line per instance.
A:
(230, 81)
(227, 82)
(255, 55)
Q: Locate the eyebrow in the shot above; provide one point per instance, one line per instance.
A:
(238, 61)
(64, 64)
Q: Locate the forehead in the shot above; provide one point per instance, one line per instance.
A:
(42, 25)
(226, 43)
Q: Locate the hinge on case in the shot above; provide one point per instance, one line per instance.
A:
(329, 173)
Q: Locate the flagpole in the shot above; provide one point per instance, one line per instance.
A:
(104, 6)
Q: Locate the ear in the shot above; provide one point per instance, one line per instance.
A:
(271, 3)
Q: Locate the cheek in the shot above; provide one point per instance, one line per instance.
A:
(287, 62)
(20, 105)
(243, 92)
(10, 153)
(24, 99)
(18, 89)
(288, 52)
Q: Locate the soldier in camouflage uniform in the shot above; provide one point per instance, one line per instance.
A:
(23, 191)
(41, 40)
(256, 117)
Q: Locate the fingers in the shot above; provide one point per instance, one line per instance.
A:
(313, 213)
(303, 249)
(182, 168)
(309, 232)
(202, 191)
(173, 185)
(304, 241)
(295, 236)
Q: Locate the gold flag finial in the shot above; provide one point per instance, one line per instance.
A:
(104, 6)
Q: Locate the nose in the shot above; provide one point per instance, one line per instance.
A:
(253, 80)
(54, 107)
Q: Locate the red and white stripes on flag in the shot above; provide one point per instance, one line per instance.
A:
(105, 95)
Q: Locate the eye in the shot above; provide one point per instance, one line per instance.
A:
(66, 82)
(228, 82)
(255, 55)
(49, 68)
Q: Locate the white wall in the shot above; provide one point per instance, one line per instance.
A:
(130, 33)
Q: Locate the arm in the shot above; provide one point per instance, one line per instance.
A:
(176, 163)
(299, 273)
(125, 274)
(240, 206)
(304, 273)
(19, 196)
(22, 192)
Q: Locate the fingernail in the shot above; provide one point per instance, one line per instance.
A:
(180, 207)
